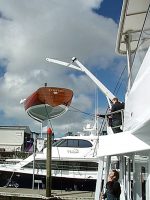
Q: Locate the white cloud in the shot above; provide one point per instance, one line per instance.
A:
(36, 29)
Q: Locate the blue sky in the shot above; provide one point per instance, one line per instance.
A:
(30, 32)
(110, 9)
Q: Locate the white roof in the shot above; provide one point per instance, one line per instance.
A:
(132, 19)
(120, 143)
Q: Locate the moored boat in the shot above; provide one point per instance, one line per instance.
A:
(74, 165)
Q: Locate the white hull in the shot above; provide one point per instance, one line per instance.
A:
(73, 165)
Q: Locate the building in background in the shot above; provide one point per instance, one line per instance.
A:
(15, 138)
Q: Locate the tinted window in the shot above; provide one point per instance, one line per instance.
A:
(84, 143)
(73, 143)
(74, 166)
(59, 142)
(65, 165)
(39, 164)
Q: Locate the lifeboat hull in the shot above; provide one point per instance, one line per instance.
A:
(48, 102)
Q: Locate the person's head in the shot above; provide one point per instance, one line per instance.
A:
(114, 100)
(113, 175)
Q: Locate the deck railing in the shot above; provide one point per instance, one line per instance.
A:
(109, 120)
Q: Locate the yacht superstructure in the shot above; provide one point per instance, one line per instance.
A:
(132, 146)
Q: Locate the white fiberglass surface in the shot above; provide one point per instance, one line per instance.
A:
(142, 48)
(137, 105)
(131, 21)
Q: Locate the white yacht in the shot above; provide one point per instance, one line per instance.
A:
(132, 146)
(74, 165)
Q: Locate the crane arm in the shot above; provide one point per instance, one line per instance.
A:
(82, 68)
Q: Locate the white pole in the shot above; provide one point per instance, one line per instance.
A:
(34, 143)
(41, 131)
(99, 178)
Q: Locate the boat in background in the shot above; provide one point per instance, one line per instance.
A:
(48, 102)
(74, 164)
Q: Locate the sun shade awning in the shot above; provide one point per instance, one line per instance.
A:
(132, 18)
(120, 143)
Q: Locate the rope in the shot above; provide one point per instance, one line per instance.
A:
(9, 181)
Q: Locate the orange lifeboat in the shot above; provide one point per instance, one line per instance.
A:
(48, 102)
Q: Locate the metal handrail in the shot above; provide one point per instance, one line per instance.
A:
(111, 113)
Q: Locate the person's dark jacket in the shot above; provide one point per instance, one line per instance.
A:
(113, 190)
(116, 107)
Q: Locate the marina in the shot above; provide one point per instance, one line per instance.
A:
(74, 164)
(77, 166)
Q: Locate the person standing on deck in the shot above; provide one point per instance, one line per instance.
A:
(113, 189)
(116, 116)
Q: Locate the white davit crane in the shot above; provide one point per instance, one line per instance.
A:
(82, 68)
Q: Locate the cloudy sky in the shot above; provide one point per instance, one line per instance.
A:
(31, 30)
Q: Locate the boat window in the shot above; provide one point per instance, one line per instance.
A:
(84, 144)
(55, 144)
(39, 164)
(61, 143)
(74, 166)
(143, 45)
(73, 143)
(65, 165)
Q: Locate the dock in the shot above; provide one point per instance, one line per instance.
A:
(37, 194)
